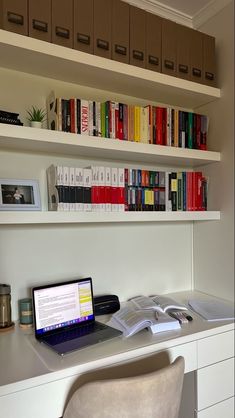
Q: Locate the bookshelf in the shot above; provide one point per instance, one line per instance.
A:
(40, 58)
(63, 143)
(33, 56)
(44, 217)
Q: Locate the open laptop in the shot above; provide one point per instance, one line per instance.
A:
(64, 316)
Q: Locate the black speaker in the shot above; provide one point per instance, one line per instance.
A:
(106, 304)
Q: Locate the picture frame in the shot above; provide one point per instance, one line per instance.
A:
(19, 195)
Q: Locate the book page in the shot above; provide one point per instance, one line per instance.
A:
(131, 321)
(164, 303)
(144, 302)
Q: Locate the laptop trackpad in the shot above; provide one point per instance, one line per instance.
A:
(80, 342)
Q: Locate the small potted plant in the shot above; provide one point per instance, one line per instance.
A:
(36, 116)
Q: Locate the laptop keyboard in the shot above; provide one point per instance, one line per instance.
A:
(78, 332)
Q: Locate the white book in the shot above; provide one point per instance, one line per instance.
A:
(113, 124)
(159, 303)
(72, 189)
(121, 189)
(114, 189)
(54, 187)
(131, 321)
(79, 184)
(90, 120)
(167, 193)
(101, 189)
(94, 188)
(87, 189)
(65, 183)
(84, 117)
(108, 205)
(213, 309)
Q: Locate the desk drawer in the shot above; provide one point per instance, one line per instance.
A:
(188, 351)
(47, 400)
(215, 383)
(223, 409)
(216, 348)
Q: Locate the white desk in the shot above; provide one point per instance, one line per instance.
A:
(35, 382)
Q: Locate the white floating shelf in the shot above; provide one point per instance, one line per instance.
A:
(37, 57)
(20, 138)
(26, 217)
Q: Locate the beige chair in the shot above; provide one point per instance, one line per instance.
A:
(152, 395)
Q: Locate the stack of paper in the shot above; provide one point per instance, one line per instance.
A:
(213, 309)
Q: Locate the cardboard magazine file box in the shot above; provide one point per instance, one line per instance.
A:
(14, 16)
(102, 28)
(83, 39)
(120, 31)
(196, 56)
(62, 22)
(183, 52)
(40, 19)
(153, 42)
(209, 61)
(169, 47)
(137, 37)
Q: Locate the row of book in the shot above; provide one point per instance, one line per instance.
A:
(118, 189)
(149, 124)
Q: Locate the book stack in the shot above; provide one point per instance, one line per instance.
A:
(10, 117)
(149, 124)
(118, 189)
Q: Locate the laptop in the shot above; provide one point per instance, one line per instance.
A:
(64, 316)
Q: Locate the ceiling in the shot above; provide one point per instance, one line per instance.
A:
(188, 7)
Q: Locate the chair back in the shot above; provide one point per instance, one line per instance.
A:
(152, 395)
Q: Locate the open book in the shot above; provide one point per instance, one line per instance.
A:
(162, 304)
(130, 321)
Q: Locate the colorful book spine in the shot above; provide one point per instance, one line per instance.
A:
(84, 117)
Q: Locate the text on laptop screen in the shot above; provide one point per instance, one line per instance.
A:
(62, 305)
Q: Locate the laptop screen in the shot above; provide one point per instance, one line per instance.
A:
(62, 305)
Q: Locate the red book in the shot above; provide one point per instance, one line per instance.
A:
(121, 190)
(159, 119)
(120, 122)
(164, 126)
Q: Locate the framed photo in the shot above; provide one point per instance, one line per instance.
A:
(19, 195)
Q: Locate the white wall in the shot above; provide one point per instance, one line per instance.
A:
(214, 241)
(123, 259)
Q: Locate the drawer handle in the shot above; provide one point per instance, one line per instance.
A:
(103, 44)
(197, 72)
(153, 60)
(119, 49)
(62, 32)
(15, 18)
(39, 25)
(169, 64)
(210, 76)
(183, 68)
(84, 39)
(138, 55)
